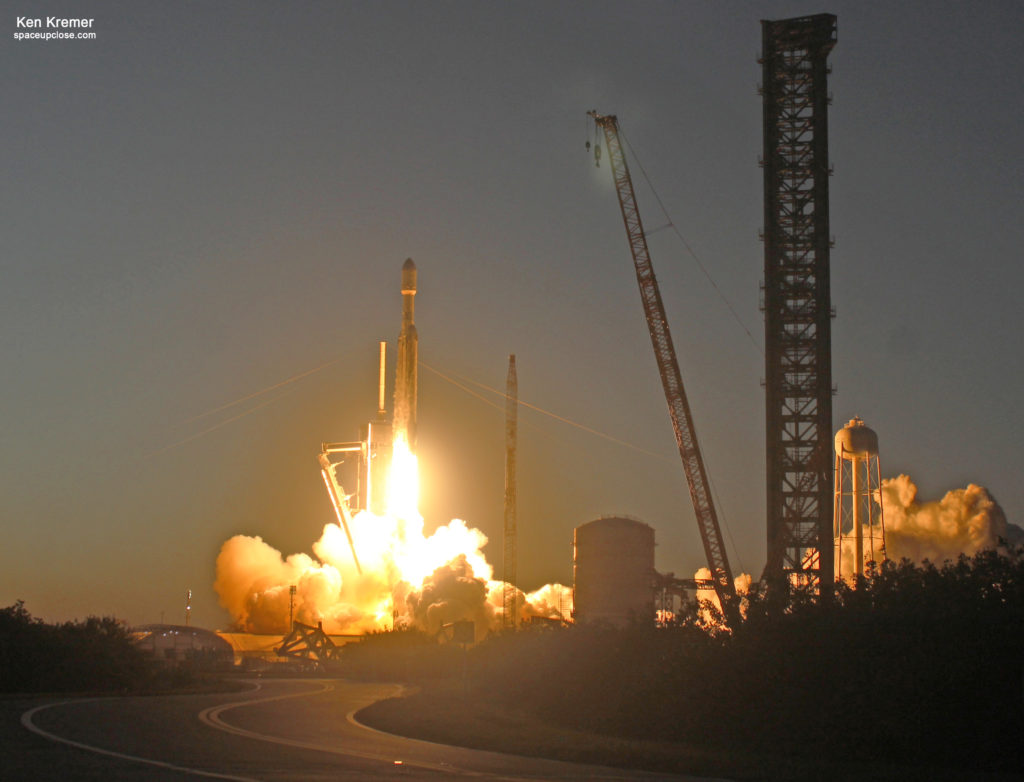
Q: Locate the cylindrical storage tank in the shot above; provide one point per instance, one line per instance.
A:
(613, 572)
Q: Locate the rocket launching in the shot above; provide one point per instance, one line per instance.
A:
(402, 576)
(404, 420)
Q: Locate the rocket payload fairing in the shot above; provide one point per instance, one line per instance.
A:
(404, 421)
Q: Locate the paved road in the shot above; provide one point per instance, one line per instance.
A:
(280, 731)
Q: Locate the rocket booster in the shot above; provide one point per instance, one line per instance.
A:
(404, 421)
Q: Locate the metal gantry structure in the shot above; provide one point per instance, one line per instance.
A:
(510, 593)
(308, 643)
(797, 305)
(671, 378)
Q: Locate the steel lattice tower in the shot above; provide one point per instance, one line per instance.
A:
(797, 305)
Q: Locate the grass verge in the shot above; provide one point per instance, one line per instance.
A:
(443, 713)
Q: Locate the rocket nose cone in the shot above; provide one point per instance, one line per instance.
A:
(409, 276)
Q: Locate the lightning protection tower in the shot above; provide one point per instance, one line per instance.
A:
(797, 306)
(510, 608)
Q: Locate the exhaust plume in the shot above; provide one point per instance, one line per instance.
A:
(964, 521)
(741, 583)
(408, 578)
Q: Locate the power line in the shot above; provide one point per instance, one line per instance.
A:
(262, 391)
(225, 422)
(540, 410)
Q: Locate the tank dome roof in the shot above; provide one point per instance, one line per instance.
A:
(856, 441)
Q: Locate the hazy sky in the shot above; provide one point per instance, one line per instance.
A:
(210, 198)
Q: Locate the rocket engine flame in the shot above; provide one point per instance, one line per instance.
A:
(408, 578)
(404, 481)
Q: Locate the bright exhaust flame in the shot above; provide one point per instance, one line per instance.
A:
(408, 579)
(404, 481)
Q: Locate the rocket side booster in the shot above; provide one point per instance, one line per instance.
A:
(404, 421)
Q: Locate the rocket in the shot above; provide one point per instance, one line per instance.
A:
(404, 420)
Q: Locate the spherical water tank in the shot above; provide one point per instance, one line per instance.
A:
(856, 441)
(613, 572)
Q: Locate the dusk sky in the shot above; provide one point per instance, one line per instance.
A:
(212, 198)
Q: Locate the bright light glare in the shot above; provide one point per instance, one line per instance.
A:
(404, 482)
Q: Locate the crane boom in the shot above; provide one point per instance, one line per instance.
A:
(668, 366)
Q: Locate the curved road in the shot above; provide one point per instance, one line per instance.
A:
(281, 730)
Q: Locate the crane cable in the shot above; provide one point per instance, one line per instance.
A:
(671, 224)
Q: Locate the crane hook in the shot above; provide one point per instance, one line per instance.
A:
(597, 156)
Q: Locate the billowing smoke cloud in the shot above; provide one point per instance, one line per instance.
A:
(552, 601)
(964, 521)
(253, 582)
(450, 594)
(407, 579)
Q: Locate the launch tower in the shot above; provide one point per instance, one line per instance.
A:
(797, 305)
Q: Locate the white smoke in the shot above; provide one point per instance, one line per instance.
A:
(551, 601)
(964, 521)
(407, 579)
(705, 597)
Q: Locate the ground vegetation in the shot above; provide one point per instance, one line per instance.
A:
(95, 655)
(916, 669)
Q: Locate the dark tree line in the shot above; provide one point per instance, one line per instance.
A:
(920, 664)
(92, 655)
(405, 654)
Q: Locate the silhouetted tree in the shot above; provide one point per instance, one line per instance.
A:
(95, 655)
(919, 663)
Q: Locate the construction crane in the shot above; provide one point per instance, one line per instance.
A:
(668, 366)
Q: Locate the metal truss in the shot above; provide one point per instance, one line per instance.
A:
(797, 305)
(671, 377)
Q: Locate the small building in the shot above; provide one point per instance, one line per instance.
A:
(177, 644)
